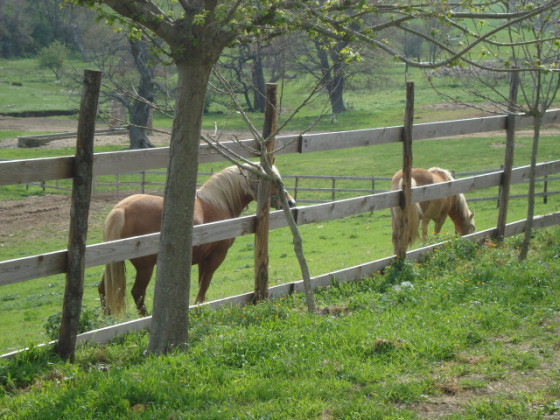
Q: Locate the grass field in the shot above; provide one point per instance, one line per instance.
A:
(470, 334)
(329, 246)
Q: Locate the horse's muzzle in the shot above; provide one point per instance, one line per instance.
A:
(291, 201)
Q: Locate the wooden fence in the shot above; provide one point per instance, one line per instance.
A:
(306, 189)
(40, 170)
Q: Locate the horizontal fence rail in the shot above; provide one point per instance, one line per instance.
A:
(119, 187)
(109, 163)
(27, 268)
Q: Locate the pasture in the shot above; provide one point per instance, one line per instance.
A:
(329, 246)
(470, 334)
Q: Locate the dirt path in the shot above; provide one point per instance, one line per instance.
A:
(159, 139)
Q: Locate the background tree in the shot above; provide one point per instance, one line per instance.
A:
(53, 57)
(15, 30)
(141, 106)
(332, 71)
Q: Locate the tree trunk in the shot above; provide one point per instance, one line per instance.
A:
(524, 249)
(140, 109)
(336, 89)
(259, 87)
(171, 295)
(333, 79)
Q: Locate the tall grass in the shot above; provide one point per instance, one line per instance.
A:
(459, 328)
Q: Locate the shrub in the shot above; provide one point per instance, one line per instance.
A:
(52, 58)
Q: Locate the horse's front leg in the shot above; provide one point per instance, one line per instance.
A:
(439, 224)
(206, 270)
(425, 223)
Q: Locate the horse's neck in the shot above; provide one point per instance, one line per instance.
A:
(458, 215)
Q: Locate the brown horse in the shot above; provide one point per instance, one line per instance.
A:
(223, 196)
(437, 210)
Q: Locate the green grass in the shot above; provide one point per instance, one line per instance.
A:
(464, 327)
(25, 87)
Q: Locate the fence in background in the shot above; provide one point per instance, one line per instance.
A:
(306, 189)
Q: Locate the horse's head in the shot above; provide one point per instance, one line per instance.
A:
(466, 225)
(275, 195)
(470, 224)
(276, 198)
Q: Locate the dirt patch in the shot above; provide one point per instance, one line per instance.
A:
(29, 217)
(38, 124)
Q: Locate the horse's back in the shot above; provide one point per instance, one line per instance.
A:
(143, 214)
(419, 175)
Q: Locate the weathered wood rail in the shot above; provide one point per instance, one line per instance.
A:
(108, 163)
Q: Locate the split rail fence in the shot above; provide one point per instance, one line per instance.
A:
(40, 170)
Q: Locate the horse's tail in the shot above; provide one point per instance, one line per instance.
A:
(115, 275)
(399, 217)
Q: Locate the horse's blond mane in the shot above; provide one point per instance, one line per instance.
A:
(227, 188)
(462, 207)
(460, 200)
(443, 172)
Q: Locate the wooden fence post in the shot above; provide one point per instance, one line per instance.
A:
(263, 199)
(81, 194)
(508, 159)
(406, 194)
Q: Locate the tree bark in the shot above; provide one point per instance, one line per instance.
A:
(524, 249)
(140, 109)
(257, 73)
(171, 294)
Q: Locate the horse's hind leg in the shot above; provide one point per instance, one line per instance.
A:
(144, 270)
(101, 290)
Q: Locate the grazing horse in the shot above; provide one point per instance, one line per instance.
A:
(437, 210)
(223, 196)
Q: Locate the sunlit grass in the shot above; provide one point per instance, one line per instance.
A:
(390, 346)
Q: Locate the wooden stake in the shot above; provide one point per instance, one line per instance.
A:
(263, 198)
(81, 195)
(508, 159)
(406, 194)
